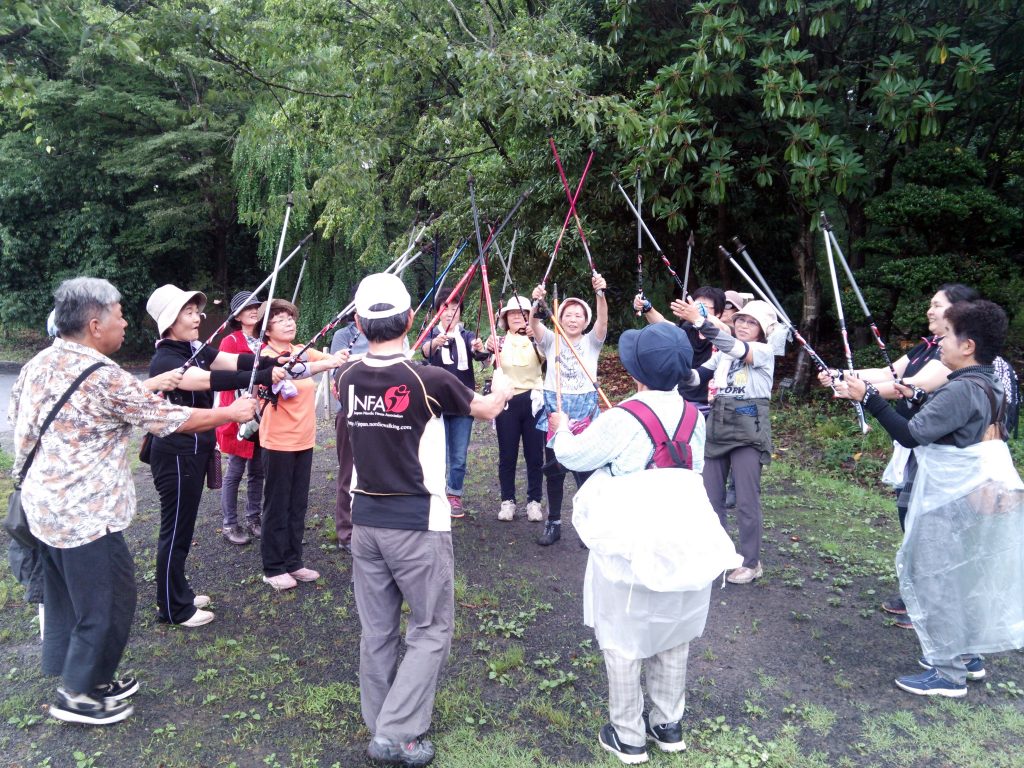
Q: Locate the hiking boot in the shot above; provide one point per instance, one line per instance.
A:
(456, 505)
(281, 582)
(534, 512)
(255, 529)
(305, 574)
(507, 511)
(895, 606)
(975, 667)
(744, 575)
(931, 683)
(609, 741)
(116, 690)
(198, 618)
(201, 601)
(668, 737)
(234, 534)
(413, 753)
(80, 708)
(552, 533)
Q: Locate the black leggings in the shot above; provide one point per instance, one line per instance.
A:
(556, 484)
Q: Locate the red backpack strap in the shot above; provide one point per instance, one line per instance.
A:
(648, 418)
(687, 423)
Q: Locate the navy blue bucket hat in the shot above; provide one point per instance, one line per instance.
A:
(657, 356)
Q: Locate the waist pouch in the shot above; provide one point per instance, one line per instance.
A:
(736, 423)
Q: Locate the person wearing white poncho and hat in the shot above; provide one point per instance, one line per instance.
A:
(652, 563)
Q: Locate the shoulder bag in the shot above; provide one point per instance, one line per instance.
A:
(16, 524)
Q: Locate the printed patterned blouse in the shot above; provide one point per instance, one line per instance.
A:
(79, 486)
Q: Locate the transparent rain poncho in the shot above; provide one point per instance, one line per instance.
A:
(656, 545)
(961, 565)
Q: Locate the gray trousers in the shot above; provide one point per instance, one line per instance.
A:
(746, 471)
(390, 565)
(90, 598)
(955, 669)
(253, 492)
(666, 685)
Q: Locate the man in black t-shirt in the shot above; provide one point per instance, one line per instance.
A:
(401, 537)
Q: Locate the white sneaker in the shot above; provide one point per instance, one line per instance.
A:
(201, 601)
(281, 582)
(508, 510)
(198, 618)
(534, 511)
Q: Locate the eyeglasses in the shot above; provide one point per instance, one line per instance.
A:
(744, 320)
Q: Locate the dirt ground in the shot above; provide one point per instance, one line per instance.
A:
(795, 669)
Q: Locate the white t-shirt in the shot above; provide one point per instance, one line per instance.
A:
(573, 379)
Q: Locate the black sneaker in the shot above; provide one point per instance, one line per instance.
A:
(116, 689)
(413, 753)
(552, 533)
(668, 737)
(609, 741)
(79, 708)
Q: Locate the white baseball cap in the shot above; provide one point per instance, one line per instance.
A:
(167, 301)
(381, 288)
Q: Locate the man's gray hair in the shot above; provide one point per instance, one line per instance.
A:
(79, 300)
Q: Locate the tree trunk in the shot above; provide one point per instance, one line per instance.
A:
(803, 256)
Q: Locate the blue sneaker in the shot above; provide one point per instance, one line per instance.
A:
(975, 667)
(931, 683)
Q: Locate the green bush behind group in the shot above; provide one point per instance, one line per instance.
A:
(156, 142)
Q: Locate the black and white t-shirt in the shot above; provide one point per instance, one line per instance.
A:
(393, 410)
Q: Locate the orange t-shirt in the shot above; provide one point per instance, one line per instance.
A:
(291, 426)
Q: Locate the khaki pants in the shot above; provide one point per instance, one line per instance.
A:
(390, 565)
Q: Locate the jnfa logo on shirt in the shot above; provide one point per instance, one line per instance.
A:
(396, 399)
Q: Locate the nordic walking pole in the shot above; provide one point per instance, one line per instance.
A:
(568, 216)
(842, 326)
(572, 208)
(689, 253)
(273, 284)
(827, 226)
(657, 248)
(396, 267)
(742, 249)
(483, 266)
(815, 357)
(298, 282)
(639, 246)
(232, 315)
(439, 280)
(558, 360)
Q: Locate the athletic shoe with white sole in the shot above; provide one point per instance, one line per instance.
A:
(201, 601)
(305, 574)
(507, 511)
(975, 667)
(79, 708)
(534, 511)
(630, 755)
(116, 689)
(415, 753)
(198, 619)
(281, 582)
(931, 683)
(668, 737)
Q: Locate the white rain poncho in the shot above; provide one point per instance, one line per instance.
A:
(656, 545)
(961, 565)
